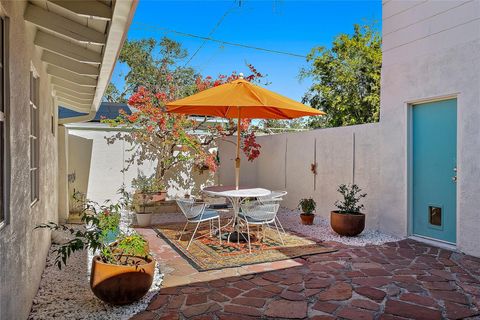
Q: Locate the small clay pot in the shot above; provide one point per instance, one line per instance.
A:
(347, 224)
(307, 219)
(119, 284)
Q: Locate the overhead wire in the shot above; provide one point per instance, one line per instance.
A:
(219, 22)
(144, 26)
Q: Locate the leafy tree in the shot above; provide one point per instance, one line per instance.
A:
(154, 66)
(271, 126)
(346, 79)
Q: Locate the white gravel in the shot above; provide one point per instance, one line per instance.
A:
(322, 231)
(66, 294)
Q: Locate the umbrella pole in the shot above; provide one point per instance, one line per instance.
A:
(237, 159)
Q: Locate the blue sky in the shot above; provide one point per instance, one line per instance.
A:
(291, 26)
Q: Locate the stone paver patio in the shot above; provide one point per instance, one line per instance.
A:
(398, 280)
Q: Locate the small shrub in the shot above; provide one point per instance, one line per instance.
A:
(351, 198)
(307, 205)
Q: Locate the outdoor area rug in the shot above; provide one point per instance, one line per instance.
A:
(206, 253)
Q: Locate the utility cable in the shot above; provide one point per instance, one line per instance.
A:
(219, 22)
(143, 26)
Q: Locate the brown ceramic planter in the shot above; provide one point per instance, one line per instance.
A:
(348, 225)
(307, 219)
(119, 285)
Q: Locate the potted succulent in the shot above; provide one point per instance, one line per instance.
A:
(307, 206)
(348, 219)
(122, 271)
(149, 191)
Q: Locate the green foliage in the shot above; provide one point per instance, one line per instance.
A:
(131, 245)
(351, 198)
(346, 79)
(152, 64)
(109, 219)
(271, 126)
(307, 205)
(150, 184)
(99, 219)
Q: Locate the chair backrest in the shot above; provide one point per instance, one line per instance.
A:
(261, 210)
(190, 208)
(273, 195)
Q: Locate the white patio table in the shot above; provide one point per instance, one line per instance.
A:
(235, 197)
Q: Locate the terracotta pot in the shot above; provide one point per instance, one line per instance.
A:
(144, 219)
(158, 196)
(347, 224)
(150, 198)
(307, 219)
(118, 284)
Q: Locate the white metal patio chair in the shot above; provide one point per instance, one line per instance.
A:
(275, 195)
(197, 212)
(260, 213)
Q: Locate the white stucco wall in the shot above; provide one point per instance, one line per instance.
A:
(22, 249)
(431, 50)
(97, 166)
(285, 164)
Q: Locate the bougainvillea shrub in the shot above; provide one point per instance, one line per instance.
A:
(172, 140)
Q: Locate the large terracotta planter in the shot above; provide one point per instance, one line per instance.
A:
(349, 225)
(307, 219)
(119, 285)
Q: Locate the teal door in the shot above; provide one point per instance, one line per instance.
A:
(434, 169)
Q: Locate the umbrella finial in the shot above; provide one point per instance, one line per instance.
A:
(240, 75)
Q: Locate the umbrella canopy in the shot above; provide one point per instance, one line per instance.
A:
(241, 99)
(240, 96)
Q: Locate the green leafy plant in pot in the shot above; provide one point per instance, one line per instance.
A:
(122, 271)
(148, 192)
(307, 205)
(348, 219)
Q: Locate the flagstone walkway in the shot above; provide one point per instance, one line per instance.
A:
(397, 280)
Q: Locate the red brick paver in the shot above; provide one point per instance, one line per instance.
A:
(399, 280)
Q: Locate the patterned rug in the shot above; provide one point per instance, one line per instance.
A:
(206, 253)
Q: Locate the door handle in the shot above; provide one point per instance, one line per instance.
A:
(454, 179)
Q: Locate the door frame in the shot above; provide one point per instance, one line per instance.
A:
(409, 161)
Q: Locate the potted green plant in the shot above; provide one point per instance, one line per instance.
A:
(348, 219)
(122, 271)
(307, 205)
(148, 191)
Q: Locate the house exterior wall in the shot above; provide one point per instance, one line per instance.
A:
(97, 166)
(23, 250)
(431, 50)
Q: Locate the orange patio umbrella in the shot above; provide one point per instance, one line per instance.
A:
(241, 99)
